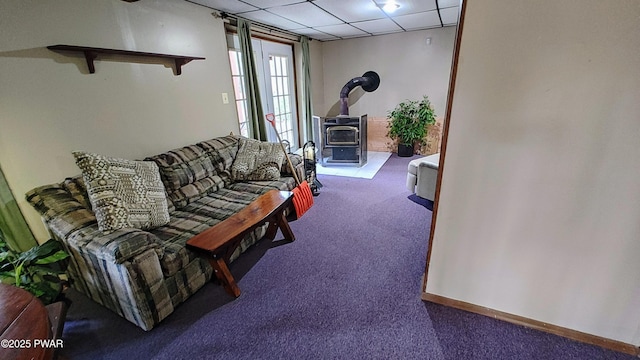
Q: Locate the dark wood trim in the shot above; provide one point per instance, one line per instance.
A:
(445, 135)
(614, 345)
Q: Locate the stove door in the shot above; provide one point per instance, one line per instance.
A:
(342, 135)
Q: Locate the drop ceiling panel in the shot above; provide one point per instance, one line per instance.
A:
(315, 34)
(413, 6)
(307, 14)
(417, 21)
(449, 16)
(268, 18)
(448, 3)
(232, 7)
(342, 30)
(380, 26)
(337, 19)
(263, 4)
(352, 10)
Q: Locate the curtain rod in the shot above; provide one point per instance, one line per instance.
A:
(259, 28)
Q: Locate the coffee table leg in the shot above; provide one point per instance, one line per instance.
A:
(283, 224)
(271, 230)
(223, 274)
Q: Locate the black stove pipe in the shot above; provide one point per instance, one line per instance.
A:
(369, 82)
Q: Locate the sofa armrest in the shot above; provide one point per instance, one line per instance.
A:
(116, 247)
(427, 176)
(71, 222)
(134, 289)
(61, 212)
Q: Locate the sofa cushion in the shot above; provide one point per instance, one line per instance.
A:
(222, 151)
(261, 187)
(173, 236)
(188, 173)
(224, 203)
(196, 217)
(257, 160)
(123, 193)
(296, 161)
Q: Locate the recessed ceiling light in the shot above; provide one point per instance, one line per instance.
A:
(390, 7)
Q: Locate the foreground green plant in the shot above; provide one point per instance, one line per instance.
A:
(36, 270)
(409, 120)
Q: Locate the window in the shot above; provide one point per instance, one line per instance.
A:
(237, 75)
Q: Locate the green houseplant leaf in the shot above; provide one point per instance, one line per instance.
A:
(53, 258)
(36, 270)
(426, 114)
(409, 120)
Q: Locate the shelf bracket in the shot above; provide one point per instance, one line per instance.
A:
(90, 56)
(179, 63)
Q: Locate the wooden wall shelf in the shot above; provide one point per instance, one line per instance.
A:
(91, 53)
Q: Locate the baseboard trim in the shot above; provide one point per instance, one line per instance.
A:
(534, 324)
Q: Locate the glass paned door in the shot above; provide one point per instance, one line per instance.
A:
(282, 96)
(275, 71)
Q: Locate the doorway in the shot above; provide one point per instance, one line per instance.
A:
(275, 71)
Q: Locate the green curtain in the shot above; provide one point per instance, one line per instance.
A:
(306, 85)
(257, 127)
(15, 229)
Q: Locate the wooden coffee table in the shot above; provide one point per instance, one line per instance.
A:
(24, 325)
(218, 243)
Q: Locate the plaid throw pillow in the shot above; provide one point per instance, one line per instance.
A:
(123, 193)
(257, 160)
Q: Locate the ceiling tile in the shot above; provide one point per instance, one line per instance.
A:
(230, 6)
(325, 19)
(421, 20)
(442, 4)
(379, 26)
(412, 6)
(264, 4)
(352, 10)
(342, 30)
(315, 34)
(268, 18)
(307, 14)
(449, 16)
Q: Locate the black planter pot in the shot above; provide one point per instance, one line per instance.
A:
(405, 150)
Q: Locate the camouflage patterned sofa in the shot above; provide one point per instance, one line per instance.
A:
(142, 275)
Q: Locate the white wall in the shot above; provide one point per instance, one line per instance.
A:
(50, 105)
(540, 200)
(408, 69)
(317, 75)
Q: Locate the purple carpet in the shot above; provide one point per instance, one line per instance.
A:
(347, 288)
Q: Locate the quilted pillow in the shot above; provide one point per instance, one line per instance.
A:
(123, 193)
(257, 160)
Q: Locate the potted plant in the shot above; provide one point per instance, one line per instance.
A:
(408, 124)
(36, 270)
